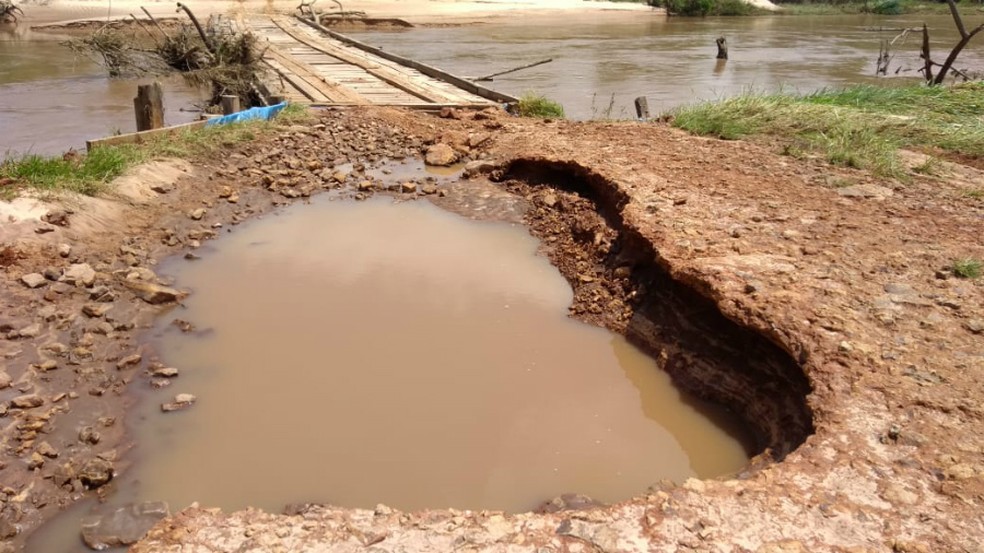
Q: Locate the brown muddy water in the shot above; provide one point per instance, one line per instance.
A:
(357, 353)
(52, 100)
(672, 61)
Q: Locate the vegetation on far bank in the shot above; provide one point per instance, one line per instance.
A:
(805, 7)
(90, 173)
(860, 126)
(879, 7)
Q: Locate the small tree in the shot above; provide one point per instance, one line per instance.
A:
(965, 38)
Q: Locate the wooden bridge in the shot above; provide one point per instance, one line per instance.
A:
(317, 66)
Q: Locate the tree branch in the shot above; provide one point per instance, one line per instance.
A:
(945, 68)
(956, 18)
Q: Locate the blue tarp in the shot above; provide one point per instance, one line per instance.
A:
(246, 115)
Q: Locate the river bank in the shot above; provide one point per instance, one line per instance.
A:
(416, 11)
(876, 341)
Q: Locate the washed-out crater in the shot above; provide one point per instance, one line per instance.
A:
(382, 351)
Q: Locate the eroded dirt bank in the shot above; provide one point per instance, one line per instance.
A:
(808, 285)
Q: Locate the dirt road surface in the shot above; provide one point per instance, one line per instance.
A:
(816, 302)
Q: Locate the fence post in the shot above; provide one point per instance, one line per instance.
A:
(149, 106)
(642, 108)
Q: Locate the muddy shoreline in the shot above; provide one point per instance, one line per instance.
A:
(797, 267)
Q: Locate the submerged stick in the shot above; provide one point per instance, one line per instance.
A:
(490, 77)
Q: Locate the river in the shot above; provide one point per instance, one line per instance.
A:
(52, 100)
(672, 61)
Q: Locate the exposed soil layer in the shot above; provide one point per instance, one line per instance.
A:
(619, 283)
(838, 295)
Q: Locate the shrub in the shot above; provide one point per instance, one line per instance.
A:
(967, 268)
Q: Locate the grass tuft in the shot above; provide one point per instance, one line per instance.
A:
(861, 126)
(532, 104)
(967, 268)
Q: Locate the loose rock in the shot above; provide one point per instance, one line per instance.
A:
(79, 275)
(129, 360)
(124, 526)
(95, 473)
(56, 217)
(30, 331)
(478, 167)
(95, 310)
(181, 401)
(29, 401)
(440, 155)
(164, 372)
(89, 435)
(34, 280)
(154, 293)
(45, 449)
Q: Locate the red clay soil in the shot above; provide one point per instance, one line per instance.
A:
(821, 309)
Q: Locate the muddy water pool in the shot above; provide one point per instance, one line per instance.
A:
(52, 100)
(671, 61)
(357, 353)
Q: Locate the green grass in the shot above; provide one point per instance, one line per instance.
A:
(87, 175)
(967, 268)
(532, 104)
(90, 174)
(861, 126)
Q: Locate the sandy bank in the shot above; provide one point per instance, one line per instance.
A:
(415, 11)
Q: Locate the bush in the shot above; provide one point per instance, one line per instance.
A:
(967, 268)
(692, 8)
(538, 105)
(887, 7)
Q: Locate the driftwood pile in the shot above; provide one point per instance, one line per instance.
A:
(215, 56)
(9, 12)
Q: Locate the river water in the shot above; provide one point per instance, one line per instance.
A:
(52, 100)
(671, 61)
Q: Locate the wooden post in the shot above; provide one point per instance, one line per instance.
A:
(722, 48)
(642, 108)
(149, 106)
(230, 104)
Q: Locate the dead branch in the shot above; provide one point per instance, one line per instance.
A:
(520, 68)
(928, 67)
(8, 12)
(891, 29)
(144, 27)
(965, 38)
(205, 40)
(156, 24)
